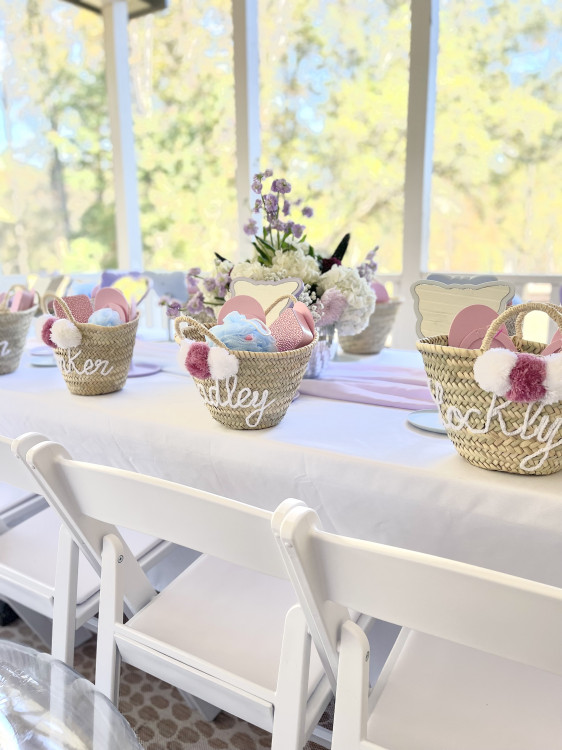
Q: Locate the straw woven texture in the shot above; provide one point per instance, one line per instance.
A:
(372, 339)
(452, 383)
(83, 367)
(278, 373)
(13, 330)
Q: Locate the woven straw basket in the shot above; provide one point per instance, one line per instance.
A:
(272, 378)
(100, 364)
(372, 339)
(487, 430)
(13, 333)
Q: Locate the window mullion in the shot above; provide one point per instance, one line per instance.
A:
(419, 152)
(246, 92)
(127, 214)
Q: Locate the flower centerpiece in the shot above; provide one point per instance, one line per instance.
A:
(372, 339)
(336, 294)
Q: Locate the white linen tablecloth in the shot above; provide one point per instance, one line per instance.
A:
(366, 472)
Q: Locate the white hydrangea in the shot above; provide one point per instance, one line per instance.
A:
(288, 263)
(359, 295)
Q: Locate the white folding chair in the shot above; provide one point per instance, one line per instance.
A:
(477, 664)
(18, 490)
(30, 564)
(226, 630)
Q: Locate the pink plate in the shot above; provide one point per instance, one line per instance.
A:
(142, 369)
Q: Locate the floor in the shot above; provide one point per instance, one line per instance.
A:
(156, 710)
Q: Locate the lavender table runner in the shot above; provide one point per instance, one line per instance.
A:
(368, 382)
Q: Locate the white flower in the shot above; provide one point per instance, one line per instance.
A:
(289, 263)
(358, 294)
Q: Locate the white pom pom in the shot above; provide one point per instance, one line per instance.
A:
(182, 352)
(65, 334)
(553, 379)
(492, 369)
(222, 364)
(39, 322)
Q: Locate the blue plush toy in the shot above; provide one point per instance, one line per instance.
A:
(105, 316)
(243, 335)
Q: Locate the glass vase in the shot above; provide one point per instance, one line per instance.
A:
(324, 351)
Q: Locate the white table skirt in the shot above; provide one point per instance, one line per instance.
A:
(361, 467)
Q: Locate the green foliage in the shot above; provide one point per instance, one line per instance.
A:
(334, 89)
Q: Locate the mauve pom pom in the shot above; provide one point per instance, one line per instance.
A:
(527, 379)
(196, 360)
(46, 332)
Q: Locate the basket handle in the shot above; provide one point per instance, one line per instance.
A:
(556, 317)
(48, 297)
(4, 303)
(520, 311)
(65, 308)
(280, 299)
(201, 330)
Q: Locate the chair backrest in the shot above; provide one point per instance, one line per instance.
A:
(493, 612)
(14, 471)
(92, 500)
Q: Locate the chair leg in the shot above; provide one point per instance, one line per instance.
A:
(292, 685)
(108, 660)
(350, 716)
(64, 608)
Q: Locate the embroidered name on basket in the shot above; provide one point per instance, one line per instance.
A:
(67, 363)
(4, 349)
(243, 399)
(543, 429)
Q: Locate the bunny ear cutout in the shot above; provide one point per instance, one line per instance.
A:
(492, 370)
(222, 364)
(555, 345)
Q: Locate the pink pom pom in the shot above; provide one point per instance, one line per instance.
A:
(527, 379)
(46, 332)
(196, 362)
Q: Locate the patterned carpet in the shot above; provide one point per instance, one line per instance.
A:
(156, 710)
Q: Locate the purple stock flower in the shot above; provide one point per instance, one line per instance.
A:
(257, 187)
(271, 203)
(174, 309)
(268, 173)
(307, 211)
(195, 304)
(251, 228)
(278, 225)
(210, 284)
(280, 186)
(257, 207)
(286, 208)
(298, 229)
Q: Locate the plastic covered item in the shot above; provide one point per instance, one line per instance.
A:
(45, 705)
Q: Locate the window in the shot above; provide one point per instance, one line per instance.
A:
(56, 195)
(498, 126)
(334, 94)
